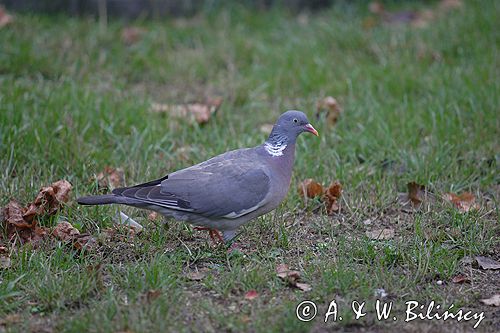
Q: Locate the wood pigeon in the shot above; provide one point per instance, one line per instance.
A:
(225, 191)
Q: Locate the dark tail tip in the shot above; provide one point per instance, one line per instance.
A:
(97, 200)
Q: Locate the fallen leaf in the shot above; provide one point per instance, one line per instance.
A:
(381, 234)
(310, 188)
(460, 279)
(49, 200)
(416, 193)
(487, 263)
(17, 225)
(492, 301)
(196, 275)
(251, 294)
(195, 112)
(332, 194)
(330, 108)
(65, 231)
(151, 295)
(5, 18)
(111, 178)
(131, 35)
(464, 202)
(285, 273)
(13, 215)
(303, 286)
(292, 277)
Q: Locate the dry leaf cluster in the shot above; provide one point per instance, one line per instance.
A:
(194, 112)
(309, 188)
(417, 194)
(415, 18)
(330, 109)
(463, 202)
(291, 277)
(22, 220)
(65, 232)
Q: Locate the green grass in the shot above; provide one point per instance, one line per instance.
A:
(419, 105)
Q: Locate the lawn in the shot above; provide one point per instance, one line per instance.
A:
(420, 104)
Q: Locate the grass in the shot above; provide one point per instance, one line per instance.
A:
(419, 105)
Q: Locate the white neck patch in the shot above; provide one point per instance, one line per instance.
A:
(275, 150)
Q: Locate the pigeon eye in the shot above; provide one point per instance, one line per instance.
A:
(295, 120)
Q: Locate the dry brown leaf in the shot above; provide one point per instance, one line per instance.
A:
(310, 188)
(332, 194)
(303, 286)
(5, 18)
(65, 231)
(251, 294)
(381, 234)
(285, 273)
(13, 215)
(460, 279)
(17, 225)
(416, 193)
(49, 200)
(111, 178)
(492, 301)
(196, 275)
(151, 295)
(131, 35)
(464, 202)
(292, 277)
(330, 108)
(487, 263)
(195, 112)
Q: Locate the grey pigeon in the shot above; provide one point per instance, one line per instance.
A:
(225, 191)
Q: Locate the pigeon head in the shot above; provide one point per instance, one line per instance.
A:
(288, 127)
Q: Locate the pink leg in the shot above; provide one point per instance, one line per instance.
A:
(214, 234)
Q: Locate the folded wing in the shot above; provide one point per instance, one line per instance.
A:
(225, 186)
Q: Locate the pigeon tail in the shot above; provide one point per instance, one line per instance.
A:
(106, 199)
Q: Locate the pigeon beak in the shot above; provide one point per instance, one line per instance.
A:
(311, 129)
